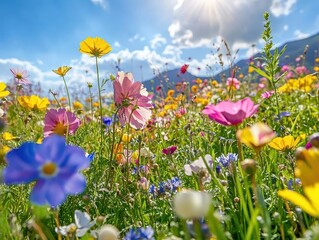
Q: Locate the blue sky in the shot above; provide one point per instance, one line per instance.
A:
(146, 35)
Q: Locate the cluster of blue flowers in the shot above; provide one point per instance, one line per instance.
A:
(140, 233)
(225, 160)
(170, 185)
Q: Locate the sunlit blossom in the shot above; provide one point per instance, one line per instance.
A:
(95, 47)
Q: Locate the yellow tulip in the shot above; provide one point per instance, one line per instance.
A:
(62, 70)
(282, 144)
(3, 92)
(255, 136)
(95, 47)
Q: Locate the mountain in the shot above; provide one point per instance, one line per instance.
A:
(307, 47)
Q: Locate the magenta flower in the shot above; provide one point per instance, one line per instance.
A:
(267, 94)
(231, 113)
(169, 150)
(60, 122)
(20, 76)
(133, 101)
(233, 83)
(53, 165)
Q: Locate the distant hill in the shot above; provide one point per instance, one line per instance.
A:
(294, 49)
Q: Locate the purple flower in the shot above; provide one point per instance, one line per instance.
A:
(140, 233)
(107, 121)
(169, 150)
(53, 165)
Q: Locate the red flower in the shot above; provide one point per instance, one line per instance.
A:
(184, 68)
(170, 150)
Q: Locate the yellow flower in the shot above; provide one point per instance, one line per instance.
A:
(39, 141)
(194, 89)
(214, 83)
(62, 99)
(135, 155)
(307, 169)
(308, 203)
(62, 70)
(170, 93)
(95, 47)
(8, 136)
(168, 99)
(256, 136)
(287, 142)
(317, 60)
(33, 102)
(126, 138)
(198, 81)
(77, 105)
(96, 104)
(316, 68)
(3, 92)
(241, 75)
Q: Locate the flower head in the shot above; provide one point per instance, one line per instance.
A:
(60, 122)
(140, 233)
(133, 100)
(169, 150)
(3, 92)
(267, 94)
(184, 68)
(256, 136)
(95, 47)
(282, 144)
(62, 70)
(53, 165)
(307, 169)
(20, 76)
(34, 102)
(233, 83)
(191, 204)
(231, 113)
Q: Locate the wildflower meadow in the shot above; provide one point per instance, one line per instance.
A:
(236, 158)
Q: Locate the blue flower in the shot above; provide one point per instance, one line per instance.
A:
(90, 156)
(281, 115)
(140, 233)
(225, 160)
(107, 121)
(53, 165)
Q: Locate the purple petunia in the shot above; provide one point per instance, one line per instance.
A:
(54, 166)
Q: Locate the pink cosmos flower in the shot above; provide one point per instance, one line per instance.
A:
(301, 70)
(133, 101)
(230, 113)
(267, 94)
(20, 76)
(60, 122)
(285, 68)
(233, 83)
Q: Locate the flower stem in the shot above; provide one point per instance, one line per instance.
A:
(67, 92)
(100, 101)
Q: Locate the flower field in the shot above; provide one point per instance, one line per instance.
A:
(204, 159)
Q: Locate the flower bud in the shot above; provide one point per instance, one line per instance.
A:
(249, 166)
(109, 232)
(314, 140)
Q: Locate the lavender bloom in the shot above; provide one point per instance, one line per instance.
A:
(53, 165)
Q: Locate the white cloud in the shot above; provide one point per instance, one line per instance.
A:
(300, 35)
(101, 3)
(117, 44)
(157, 41)
(286, 27)
(199, 23)
(282, 7)
(136, 37)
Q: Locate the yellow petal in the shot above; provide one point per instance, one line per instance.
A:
(289, 141)
(312, 193)
(299, 200)
(4, 93)
(246, 137)
(2, 86)
(277, 143)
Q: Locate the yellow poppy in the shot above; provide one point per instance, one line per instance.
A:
(3, 92)
(287, 142)
(33, 102)
(256, 136)
(95, 47)
(62, 70)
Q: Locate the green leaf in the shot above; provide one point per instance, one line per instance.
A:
(261, 72)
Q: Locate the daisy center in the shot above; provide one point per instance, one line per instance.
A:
(60, 129)
(49, 169)
(19, 76)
